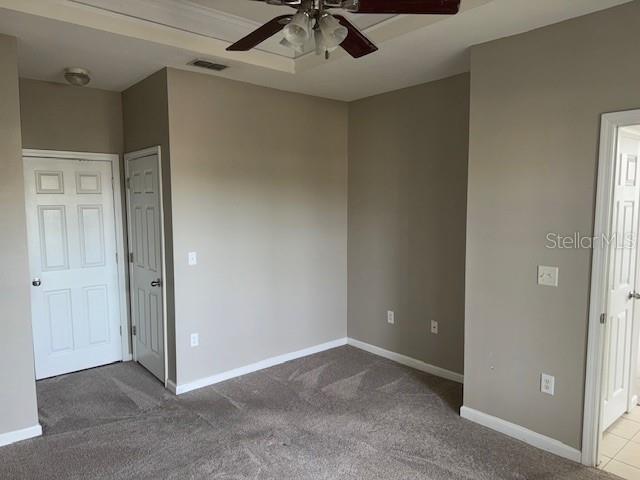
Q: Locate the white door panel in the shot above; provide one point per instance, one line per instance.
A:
(72, 251)
(145, 238)
(622, 275)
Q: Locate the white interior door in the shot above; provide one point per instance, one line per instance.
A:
(621, 281)
(72, 255)
(146, 261)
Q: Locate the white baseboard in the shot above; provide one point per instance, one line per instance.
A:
(172, 387)
(270, 362)
(237, 372)
(523, 434)
(408, 361)
(18, 435)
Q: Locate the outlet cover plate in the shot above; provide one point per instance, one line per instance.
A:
(548, 384)
(547, 276)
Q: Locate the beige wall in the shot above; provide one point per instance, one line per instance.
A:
(146, 124)
(18, 408)
(259, 192)
(536, 101)
(408, 154)
(62, 117)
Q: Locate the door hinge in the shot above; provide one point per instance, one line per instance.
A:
(130, 257)
(134, 330)
(120, 330)
(128, 182)
(603, 318)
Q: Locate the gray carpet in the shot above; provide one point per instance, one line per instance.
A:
(340, 414)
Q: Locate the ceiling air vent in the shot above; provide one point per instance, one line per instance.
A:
(208, 65)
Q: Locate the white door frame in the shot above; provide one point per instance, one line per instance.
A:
(632, 399)
(114, 160)
(594, 394)
(132, 156)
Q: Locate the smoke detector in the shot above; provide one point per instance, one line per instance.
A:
(76, 76)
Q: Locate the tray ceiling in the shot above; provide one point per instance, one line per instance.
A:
(123, 41)
(227, 20)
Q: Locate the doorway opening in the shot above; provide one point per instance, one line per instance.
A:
(611, 414)
(147, 266)
(83, 313)
(76, 258)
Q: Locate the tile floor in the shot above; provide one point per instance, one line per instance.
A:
(620, 447)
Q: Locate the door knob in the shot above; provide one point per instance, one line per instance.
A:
(36, 282)
(158, 282)
(634, 295)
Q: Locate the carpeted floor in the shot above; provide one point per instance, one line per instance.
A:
(340, 414)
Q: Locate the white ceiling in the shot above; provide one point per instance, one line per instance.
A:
(261, 12)
(131, 39)
(227, 20)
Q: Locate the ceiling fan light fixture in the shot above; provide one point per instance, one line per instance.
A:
(333, 33)
(298, 30)
(314, 24)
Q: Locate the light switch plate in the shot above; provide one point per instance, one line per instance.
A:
(547, 276)
(391, 317)
(195, 339)
(548, 384)
(193, 258)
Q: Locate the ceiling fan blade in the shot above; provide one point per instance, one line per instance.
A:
(425, 7)
(259, 35)
(356, 44)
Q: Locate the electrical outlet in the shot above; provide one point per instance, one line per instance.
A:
(434, 327)
(195, 339)
(547, 276)
(193, 258)
(548, 384)
(391, 317)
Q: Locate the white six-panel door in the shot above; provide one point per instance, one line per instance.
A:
(621, 280)
(72, 253)
(146, 262)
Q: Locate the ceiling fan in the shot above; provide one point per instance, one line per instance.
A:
(313, 25)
